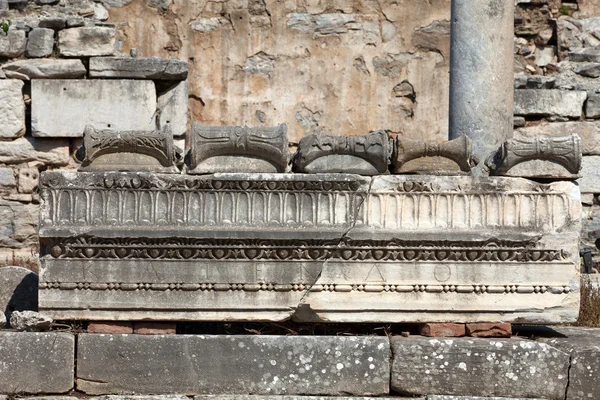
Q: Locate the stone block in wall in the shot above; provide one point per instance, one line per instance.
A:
(44, 69)
(63, 108)
(26, 149)
(199, 364)
(590, 175)
(18, 224)
(138, 68)
(12, 109)
(583, 344)
(35, 363)
(540, 102)
(28, 180)
(40, 43)
(588, 131)
(592, 107)
(500, 367)
(56, 23)
(13, 43)
(87, 41)
(173, 108)
(7, 179)
(318, 247)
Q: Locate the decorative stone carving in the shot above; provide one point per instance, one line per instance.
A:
(418, 157)
(538, 157)
(365, 155)
(238, 149)
(338, 247)
(107, 150)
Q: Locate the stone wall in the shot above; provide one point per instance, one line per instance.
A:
(321, 66)
(271, 367)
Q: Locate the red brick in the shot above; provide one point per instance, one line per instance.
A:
(489, 330)
(443, 330)
(154, 328)
(115, 327)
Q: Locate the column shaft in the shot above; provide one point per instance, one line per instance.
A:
(481, 73)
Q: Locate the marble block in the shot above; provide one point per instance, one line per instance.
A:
(313, 247)
(109, 150)
(238, 149)
(452, 157)
(538, 157)
(365, 154)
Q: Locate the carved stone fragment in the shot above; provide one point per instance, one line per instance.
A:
(107, 150)
(365, 155)
(238, 149)
(326, 247)
(538, 157)
(418, 157)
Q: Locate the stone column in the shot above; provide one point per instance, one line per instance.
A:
(481, 73)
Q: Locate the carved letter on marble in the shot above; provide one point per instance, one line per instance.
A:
(418, 157)
(108, 150)
(364, 155)
(238, 149)
(538, 157)
(337, 248)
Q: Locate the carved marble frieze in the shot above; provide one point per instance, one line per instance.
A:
(452, 157)
(238, 149)
(538, 157)
(313, 247)
(365, 155)
(109, 150)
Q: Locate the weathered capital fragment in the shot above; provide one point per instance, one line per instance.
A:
(238, 149)
(419, 157)
(108, 150)
(538, 157)
(365, 155)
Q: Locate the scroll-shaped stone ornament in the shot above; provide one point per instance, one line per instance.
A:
(365, 155)
(128, 151)
(538, 157)
(238, 149)
(419, 157)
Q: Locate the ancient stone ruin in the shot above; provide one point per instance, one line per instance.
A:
(187, 249)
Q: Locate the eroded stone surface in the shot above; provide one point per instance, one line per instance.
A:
(12, 44)
(238, 149)
(87, 41)
(322, 365)
(588, 131)
(12, 116)
(138, 68)
(501, 367)
(447, 158)
(40, 43)
(537, 102)
(63, 108)
(404, 245)
(18, 290)
(583, 344)
(44, 69)
(111, 150)
(30, 321)
(36, 362)
(590, 175)
(173, 108)
(26, 149)
(365, 155)
(538, 157)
